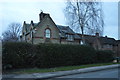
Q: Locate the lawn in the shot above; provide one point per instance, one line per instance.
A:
(64, 68)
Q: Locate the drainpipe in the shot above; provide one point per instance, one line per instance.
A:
(60, 40)
(32, 37)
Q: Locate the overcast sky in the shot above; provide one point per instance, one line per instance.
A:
(14, 11)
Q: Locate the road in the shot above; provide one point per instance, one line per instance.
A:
(111, 74)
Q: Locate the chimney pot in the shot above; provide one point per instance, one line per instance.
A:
(24, 22)
(97, 34)
(32, 22)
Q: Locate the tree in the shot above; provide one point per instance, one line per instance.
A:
(12, 33)
(84, 17)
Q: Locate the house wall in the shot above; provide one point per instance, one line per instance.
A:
(28, 38)
(115, 50)
(119, 49)
(107, 47)
(64, 41)
(96, 44)
(39, 36)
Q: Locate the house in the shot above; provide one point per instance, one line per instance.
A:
(46, 31)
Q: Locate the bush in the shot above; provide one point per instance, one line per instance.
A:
(18, 55)
(104, 56)
(52, 55)
(25, 55)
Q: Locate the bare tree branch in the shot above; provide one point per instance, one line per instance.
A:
(85, 16)
(12, 33)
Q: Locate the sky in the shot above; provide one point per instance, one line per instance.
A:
(27, 10)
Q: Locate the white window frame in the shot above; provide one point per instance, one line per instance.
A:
(47, 33)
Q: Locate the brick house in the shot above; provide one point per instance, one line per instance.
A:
(46, 31)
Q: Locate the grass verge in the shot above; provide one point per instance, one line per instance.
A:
(64, 68)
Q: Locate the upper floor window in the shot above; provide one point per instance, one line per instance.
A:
(47, 33)
(69, 37)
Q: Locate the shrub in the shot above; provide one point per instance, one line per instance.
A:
(104, 56)
(52, 55)
(25, 55)
(17, 54)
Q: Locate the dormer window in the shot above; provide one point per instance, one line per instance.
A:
(47, 33)
(70, 37)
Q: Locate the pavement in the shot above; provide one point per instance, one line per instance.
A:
(60, 73)
(108, 73)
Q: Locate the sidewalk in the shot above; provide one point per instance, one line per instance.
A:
(60, 73)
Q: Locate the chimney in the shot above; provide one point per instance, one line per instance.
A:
(97, 34)
(105, 36)
(24, 22)
(41, 16)
(32, 22)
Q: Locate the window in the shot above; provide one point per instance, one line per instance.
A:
(69, 37)
(81, 42)
(107, 46)
(47, 33)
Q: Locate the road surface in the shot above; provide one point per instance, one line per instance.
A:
(111, 74)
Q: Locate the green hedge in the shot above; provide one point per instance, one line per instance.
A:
(24, 55)
(52, 55)
(18, 55)
(104, 56)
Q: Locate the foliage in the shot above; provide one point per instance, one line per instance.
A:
(25, 55)
(104, 56)
(18, 55)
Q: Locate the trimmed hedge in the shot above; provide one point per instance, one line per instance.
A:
(104, 56)
(52, 55)
(18, 55)
(24, 55)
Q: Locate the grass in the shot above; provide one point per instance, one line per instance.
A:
(64, 68)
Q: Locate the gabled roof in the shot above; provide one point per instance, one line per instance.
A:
(27, 27)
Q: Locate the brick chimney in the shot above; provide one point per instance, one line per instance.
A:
(32, 22)
(24, 22)
(97, 34)
(42, 15)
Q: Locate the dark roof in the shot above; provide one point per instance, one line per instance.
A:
(67, 30)
(103, 40)
(27, 26)
(106, 40)
(88, 38)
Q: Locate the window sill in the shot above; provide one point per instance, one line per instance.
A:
(70, 40)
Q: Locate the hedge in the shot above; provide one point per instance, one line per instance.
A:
(52, 55)
(18, 55)
(25, 55)
(104, 56)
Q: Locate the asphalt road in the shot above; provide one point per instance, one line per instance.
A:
(111, 74)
